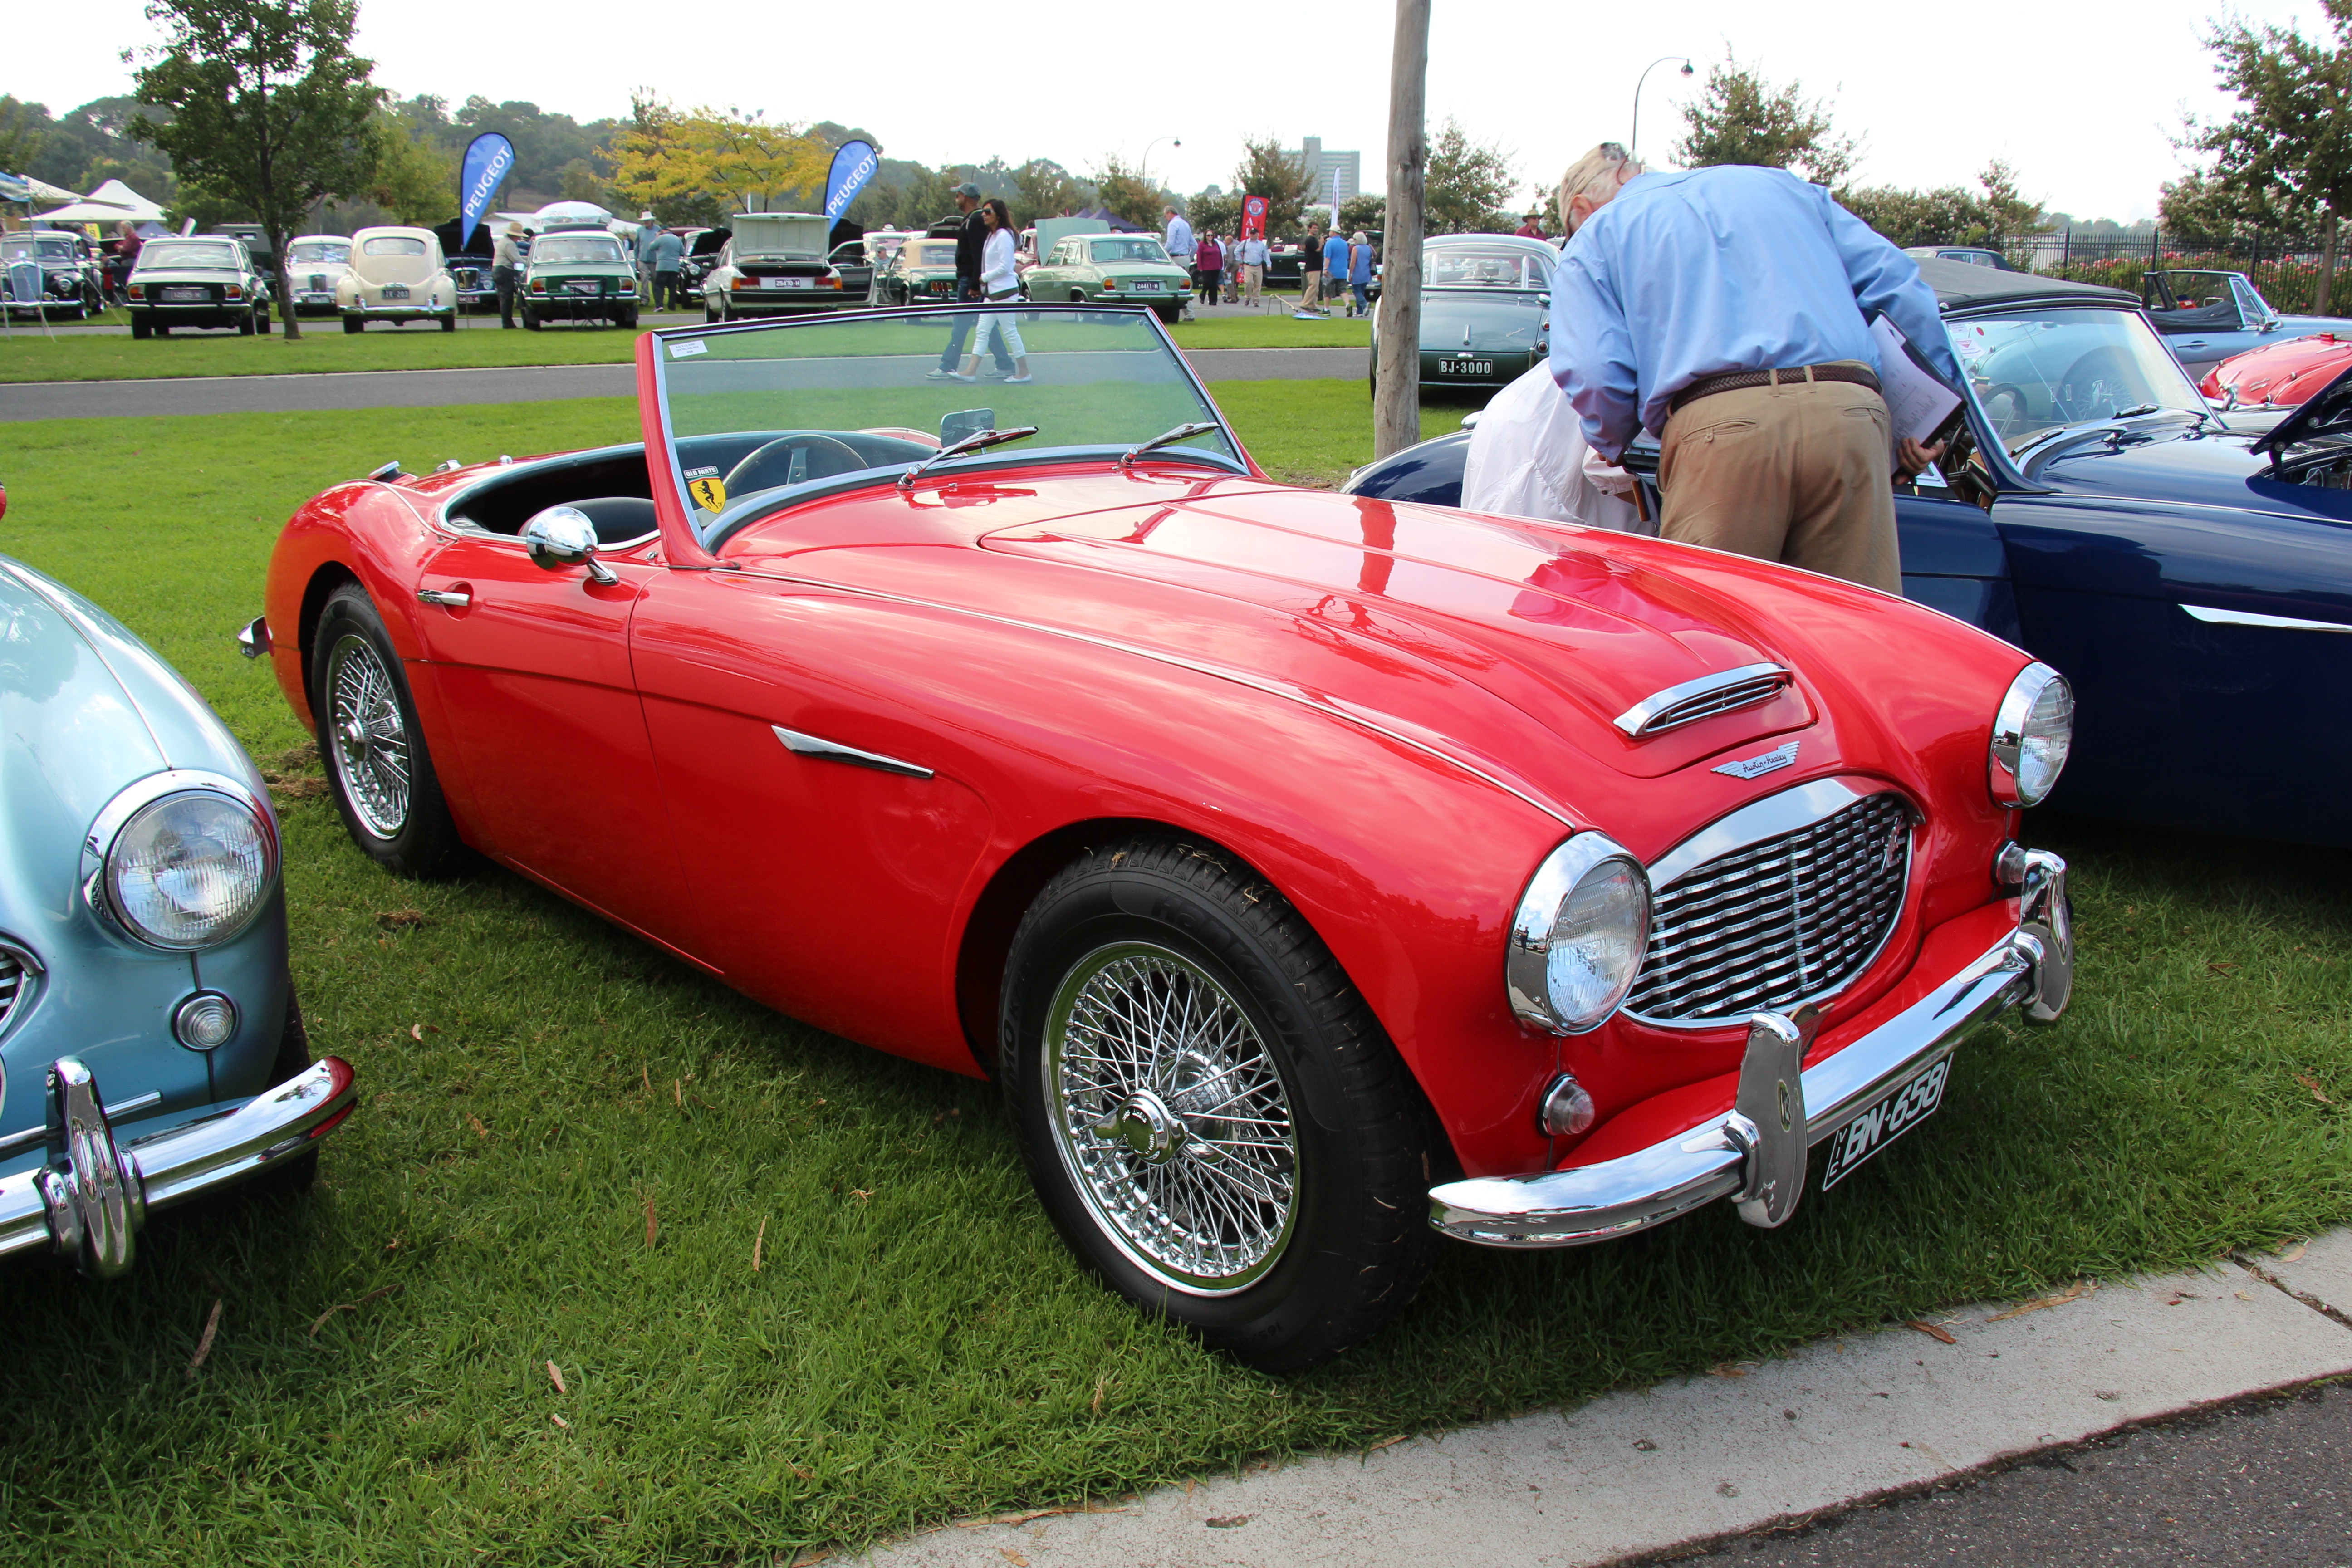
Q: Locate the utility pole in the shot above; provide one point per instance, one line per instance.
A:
(1396, 397)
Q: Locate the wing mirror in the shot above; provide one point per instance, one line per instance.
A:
(563, 537)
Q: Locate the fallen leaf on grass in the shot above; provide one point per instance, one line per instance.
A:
(558, 1420)
(757, 1242)
(321, 1321)
(555, 1374)
(813, 1555)
(401, 919)
(480, 1131)
(2221, 968)
(1094, 1407)
(2294, 1254)
(204, 1342)
(415, 1031)
(1013, 1557)
(1231, 1520)
(2075, 1292)
(2312, 1084)
(1727, 1369)
(860, 1193)
(1933, 1330)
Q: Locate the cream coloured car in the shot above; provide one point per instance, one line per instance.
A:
(397, 275)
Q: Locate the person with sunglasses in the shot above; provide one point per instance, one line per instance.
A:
(1727, 310)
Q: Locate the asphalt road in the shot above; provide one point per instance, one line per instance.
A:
(436, 388)
(2268, 1482)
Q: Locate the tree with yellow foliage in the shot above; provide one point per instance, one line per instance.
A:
(669, 160)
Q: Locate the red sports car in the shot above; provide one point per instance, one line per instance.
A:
(1317, 875)
(2278, 374)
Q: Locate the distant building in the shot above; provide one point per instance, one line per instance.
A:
(1337, 176)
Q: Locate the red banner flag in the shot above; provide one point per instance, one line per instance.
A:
(1254, 218)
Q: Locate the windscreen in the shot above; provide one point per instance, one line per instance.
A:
(391, 245)
(931, 253)
(575, 250)
(319, 252)
(1454, 267)
(1131, 249)
(182, 254)
(2037, 371)
(758, 414)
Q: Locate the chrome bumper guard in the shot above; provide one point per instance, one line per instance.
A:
(1756, 1154)
(89, 1201)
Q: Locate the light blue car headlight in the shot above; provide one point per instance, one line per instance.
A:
(185, 859)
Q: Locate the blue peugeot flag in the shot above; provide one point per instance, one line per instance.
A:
(853, 166)
(487, 158)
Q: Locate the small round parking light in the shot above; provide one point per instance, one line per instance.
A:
(205, 1021)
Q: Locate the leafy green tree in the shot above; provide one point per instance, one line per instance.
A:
(1265, 170)
(1220, 213)
(2285, 154)
(1992, 214)
(24, 127)
(1741, 118)
(1123, 189)
(415, 181)
(1468, 184)
(1043, 188)
(269, 107)
(1365, 213)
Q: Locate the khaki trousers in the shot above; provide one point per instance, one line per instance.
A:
(1800, 473)
(1253, 281)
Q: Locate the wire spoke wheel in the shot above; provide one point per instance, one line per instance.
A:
(370, 739)
(1171, 1118)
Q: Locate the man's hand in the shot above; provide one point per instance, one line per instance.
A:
(1911, 458)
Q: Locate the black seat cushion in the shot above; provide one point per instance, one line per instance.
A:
(619, 518)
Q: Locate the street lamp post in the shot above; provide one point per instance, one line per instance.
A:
(1634, 140)
(1144, 173)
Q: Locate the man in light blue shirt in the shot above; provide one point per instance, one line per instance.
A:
(1727, 310)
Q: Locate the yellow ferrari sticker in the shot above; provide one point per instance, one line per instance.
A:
(710, 494)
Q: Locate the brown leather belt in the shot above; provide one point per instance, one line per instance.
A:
(1741, 380)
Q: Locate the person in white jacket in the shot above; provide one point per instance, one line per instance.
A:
(1528, 458)
(998, 280)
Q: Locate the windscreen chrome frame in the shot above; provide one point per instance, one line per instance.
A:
(1239, 465)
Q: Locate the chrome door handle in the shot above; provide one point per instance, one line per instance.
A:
(448, 599)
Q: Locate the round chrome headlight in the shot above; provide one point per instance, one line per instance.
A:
(2031, 736)
(1578, 938)
(187, 868)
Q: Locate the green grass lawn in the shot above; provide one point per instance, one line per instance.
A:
(479, 341)
(570, 1149)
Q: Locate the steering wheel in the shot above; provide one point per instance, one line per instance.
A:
(2004, 404)
(770, 466)
(2099, 377)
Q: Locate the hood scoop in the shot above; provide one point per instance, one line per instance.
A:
(1723, 691)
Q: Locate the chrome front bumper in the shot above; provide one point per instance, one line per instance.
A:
(88, 1200)
(1755, 1155)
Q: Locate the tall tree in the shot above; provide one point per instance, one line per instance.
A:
(1121, 187)
(1043, 188)
(24, 127)
(1950, 215)
(1265, 170)
(269, 106)
(665, 156)
(415, 181)
(2286, 151)
(1469, 185)
(1741, 118)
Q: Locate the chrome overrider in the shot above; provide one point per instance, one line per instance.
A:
(1755, 1154)
(89, 1199)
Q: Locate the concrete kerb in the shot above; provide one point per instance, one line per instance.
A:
(1637, 1476)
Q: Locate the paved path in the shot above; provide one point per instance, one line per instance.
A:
(436, 388)
(1839, 1424)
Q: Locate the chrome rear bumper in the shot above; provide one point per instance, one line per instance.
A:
(89, 1199)
(1755, 1154)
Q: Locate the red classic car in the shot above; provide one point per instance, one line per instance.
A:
(1317, 875)
(2278, 374)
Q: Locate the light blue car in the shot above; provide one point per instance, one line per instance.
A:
(151, 1048)
(2207, 317)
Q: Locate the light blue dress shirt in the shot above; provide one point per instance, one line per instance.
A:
(1178, 242)
(1727, 268)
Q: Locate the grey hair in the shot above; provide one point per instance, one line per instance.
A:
(1597, 175)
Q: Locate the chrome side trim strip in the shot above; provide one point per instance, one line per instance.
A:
(833, 751)
(1642, 718)
(2249, 618)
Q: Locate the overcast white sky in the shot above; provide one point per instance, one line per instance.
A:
(2080, 98)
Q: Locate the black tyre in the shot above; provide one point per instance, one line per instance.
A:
(139, 328)
(1241, 1150)
(377, 764)
(710, 313)
(353, 324)
(449, 323)
(530, 319)
(245, 325)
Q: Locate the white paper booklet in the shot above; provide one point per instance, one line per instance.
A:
(1916, 400)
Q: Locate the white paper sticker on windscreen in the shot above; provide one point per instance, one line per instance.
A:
(689, 348)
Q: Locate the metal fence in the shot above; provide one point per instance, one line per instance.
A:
(2284, 267)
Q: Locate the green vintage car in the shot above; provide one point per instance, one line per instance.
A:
(1119, 268)
(1485, 307)
(922, 273)
(579, 275)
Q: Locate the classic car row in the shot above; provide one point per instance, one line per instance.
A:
(1317, 875)
(66, 277)
(2190, 576)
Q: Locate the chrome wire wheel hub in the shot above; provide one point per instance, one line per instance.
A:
(371, 743)
(1170, 1119)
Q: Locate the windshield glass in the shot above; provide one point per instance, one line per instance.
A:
(1497, 269)
(931, 253)
(575, 250)
(391, 245)
(1141, 248)
(2036, 371)
(755, 414)
(318, 252)
(216, 257)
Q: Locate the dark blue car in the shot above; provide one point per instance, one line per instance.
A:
(2190, 574)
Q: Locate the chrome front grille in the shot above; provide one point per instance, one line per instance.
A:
(12, 982)
(1778, 922)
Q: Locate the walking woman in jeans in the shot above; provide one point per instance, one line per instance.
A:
(999, 282)
(1211, 260)
(1359, 272)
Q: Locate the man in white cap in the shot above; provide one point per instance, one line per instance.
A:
(649, 233)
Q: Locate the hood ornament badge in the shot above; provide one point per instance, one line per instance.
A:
(1771, 762)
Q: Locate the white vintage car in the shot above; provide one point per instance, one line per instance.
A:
(315, 263)
(397, 275)
(773, 265)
